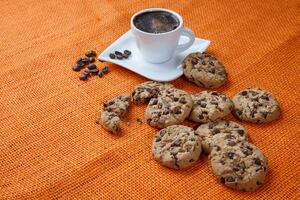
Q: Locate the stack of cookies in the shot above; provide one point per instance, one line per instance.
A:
(235, 161)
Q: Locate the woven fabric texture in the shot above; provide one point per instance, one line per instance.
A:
(50, 145)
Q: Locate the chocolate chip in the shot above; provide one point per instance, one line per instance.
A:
(247, 152)
(127, 52)
(214, 93)
(182, 100)
(175, 98)
(213, 71)
(265, 97)
(264, 114)
(218, 148)
(154, 102)
(224, 98)
(177, 110)
(205, 112)
(149, 121)
(257, 161)
(244, 93)
(157, 139)
(92, 66)
(230, 155)
(203, 62)
(192, 160)
(200, 116)
(105, 70)
(210, 126)
(203, 105)
(230, 179)
(215, 131)
(226, 123)
(159, 105)
(258, 183)
(112, 56)
(238, 112)
(222, 162)
(194, 61)
(231, 143)
(90, 53)
(212, 63)
(241, 132)
(176, 143)
(166, 112)
(236, 168)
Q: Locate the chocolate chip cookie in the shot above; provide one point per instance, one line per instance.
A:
(176, 147)
(147, 90)
(113, 111)
(118, 105)
(241, 167)
(255, 105)
(204, 70)
(170, 107)
(110, 121)
(222, 131)
(209, 106)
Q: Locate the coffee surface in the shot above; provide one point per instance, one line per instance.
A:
(156, 22)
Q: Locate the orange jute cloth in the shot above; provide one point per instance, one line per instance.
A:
(50, 145)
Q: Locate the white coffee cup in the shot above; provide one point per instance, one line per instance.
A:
(160, 47)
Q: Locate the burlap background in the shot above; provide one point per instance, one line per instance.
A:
(50, 145)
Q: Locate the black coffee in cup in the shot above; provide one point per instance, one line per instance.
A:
(156, 22)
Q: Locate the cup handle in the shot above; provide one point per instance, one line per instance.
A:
(188, 33)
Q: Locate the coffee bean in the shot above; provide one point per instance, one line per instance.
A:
(82, 77)
(112, 56)
(76, 68)
(86, 72)
(120, 57)
(92, 66)
(125, 55)
(105, 70)
(90, 53)
(100, 73)
(91, 59)
(79, 60)
(94, 71)
(127, 52)
(118, 53)
(85, 60)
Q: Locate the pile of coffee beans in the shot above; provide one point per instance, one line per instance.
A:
(119, 55)
(91, 68)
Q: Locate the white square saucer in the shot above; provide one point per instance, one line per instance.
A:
(167, 71)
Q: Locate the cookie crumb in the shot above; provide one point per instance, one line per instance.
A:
(139, 121)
